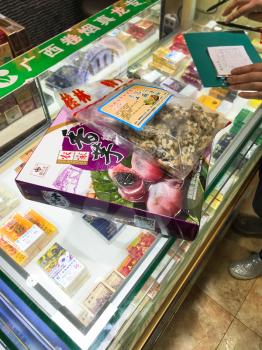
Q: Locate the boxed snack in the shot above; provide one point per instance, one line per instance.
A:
(12, 250)
(76, 167)
(138, 247)
(34, 217)
(24, 99)
(63, 268)
(16, 35)
(97, 298)
(167, 61)
(141, 30)
(8, 200)
(26, 236)
(5, 50)
(10, 109)
(83, 65)
(191, 76)
(179, 44)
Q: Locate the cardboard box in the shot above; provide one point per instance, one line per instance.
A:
(16, 35)
(5, 50)
(75, 167)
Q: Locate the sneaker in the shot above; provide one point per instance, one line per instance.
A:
(248, 225)
(248, 268)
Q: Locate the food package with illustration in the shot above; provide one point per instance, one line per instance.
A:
(75, 166)
(23, 237)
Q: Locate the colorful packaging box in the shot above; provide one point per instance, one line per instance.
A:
(75, 167)
(26, 236)
(167, 60)
(63, 268)
(141, 30)
(10, 249)
(5, 50)
(16, 35)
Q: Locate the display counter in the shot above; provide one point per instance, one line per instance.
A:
(98, 282)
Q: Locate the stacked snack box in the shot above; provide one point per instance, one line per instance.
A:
(14, 42)
(5, 50)
(15, 34)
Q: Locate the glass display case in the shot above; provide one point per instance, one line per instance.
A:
(98, 283)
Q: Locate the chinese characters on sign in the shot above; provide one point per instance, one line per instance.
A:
(104, 20)
(78, 96)
(70, 102)
(39, 59)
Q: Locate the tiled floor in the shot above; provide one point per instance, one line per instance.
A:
(220, 312)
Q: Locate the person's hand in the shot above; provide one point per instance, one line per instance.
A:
(248, 79)
(251, 9)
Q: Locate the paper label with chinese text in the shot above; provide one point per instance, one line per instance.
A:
(136, 105)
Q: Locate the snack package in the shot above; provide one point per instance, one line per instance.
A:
(179, 44)
(64, 77)
(97, 298)
(173, 129)
(191, 76)
(63, 268)
(167, 61)
(83, 66)
(138, 247)
(141, 30)
(12, 250)
(8, 200)
(26, 236)
(49, 229)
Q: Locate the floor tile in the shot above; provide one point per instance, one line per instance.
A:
(239, 337)
(200, 324)
(251, 311)
(218, 284)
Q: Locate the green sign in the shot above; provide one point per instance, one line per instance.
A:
(34, 62)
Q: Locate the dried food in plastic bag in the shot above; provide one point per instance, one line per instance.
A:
(175, 130)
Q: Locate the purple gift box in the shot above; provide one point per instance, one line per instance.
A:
(75, 167)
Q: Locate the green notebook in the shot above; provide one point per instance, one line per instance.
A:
(198, 44)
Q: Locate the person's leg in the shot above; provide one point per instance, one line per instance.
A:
(250, 224)
(257, 201)
(248, 268)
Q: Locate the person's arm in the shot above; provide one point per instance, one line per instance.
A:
(248, 79)
(251, 9)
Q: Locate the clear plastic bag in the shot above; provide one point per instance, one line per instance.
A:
(173, 129)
